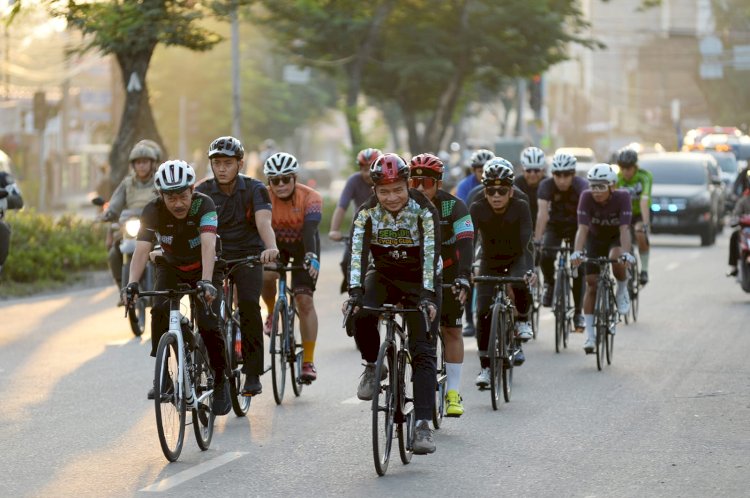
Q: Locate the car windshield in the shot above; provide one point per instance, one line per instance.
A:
(676, 173)
(727, 164)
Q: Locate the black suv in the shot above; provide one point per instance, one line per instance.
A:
(687, 196)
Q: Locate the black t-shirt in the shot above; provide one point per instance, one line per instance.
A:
(236, 213)
(563, 206)
(180, 239)
(531, 193)
(506, 237)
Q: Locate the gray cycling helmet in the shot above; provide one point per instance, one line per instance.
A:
(562, 161)
(498, 171)
(532, 158)
(226, 146)
(480, 157)
(602, 173)
(143, 151)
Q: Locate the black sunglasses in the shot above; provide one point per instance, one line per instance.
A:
(563, 174)
(491, 191)
(276, 180)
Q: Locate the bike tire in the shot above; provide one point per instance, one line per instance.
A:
(203, 416)
(137, 317)
(383, 408)
(495, 356)
(560, 312)
(568, 320)
(295, 354)
(601, 324)
(406, 428)
(506, 347)
(169, 402)
(536, 303)
(240, 403)
(279, 345)
(438, 411)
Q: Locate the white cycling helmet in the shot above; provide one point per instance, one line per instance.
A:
(480, 157)
(281, 163)
(602, 173)
(532, 158)
(562, 161)
(174, 176)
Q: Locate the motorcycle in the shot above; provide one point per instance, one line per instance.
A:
(125, 233)
(743, 262)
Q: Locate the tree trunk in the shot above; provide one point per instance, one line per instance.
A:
(410, 119)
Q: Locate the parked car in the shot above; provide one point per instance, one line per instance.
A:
(687, 194)
(729, 169)
(585, 158)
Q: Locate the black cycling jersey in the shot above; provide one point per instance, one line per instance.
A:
(531, 193)
(506, 237)
(457, 235)
(563, 205)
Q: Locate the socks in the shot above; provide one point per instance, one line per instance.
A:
(453, 371)
(622, 286)
(309, 351)
(589, 319)
(644, 262)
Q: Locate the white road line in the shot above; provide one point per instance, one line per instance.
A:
(121, 342)
(186, 475)
(352, 401)
(672, 266)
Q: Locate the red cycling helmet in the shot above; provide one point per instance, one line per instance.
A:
(426, 165)
(388, 168)
(367, 156)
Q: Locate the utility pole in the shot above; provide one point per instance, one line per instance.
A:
(236, 114)
(521, 101)
(6, 74)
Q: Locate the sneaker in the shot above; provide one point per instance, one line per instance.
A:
(589, 345)
(733, 272)
(221, 404)
(523, 331)
(623, 302)
(454, 407)
(268, 325)
(579, 323)
(643, 278)
(423, 443)
(519, 358)
(252, 386)
(547, 296)
(483, 379)
(469, 330)
(168, 388)
(151, 393)
(309, 373)
(368, 383)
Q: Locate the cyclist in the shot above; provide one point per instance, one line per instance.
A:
(742, 208)
(478, 158)
(358, 188)
(244, 210)
(457, 236)
(134, 192)
(504, 224)
(604, 215)
(10, 198)
(395, 259)
(184, 223)
(297, 211)
(557, 220)
(638, 182)
(533, 163)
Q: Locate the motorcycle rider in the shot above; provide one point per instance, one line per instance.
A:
(742, 208)
(10, 198)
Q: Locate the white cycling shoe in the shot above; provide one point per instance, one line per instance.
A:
(623, 302)
(523, 331)
(483, 379)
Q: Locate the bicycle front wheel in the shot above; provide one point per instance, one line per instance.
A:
(537, 302)
(383, 407)
(494, 351)
(635, 292)
(408, 422)
(169, 398)
(560, 311)
(240, 403)
(295, 353)
(203, 417)
(601, 324)
(279, 350)
(439, 411)
(507, 346)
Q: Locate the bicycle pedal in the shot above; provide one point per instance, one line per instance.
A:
(589, 351)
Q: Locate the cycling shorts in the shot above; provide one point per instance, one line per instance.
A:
(302, 282)
(599, 247)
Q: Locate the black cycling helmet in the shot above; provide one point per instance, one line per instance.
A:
(498, 171)
(226, 146)
(627, 157)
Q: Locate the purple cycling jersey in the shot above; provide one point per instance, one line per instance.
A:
(605, 219)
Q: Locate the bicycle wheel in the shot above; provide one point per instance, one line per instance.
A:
(568, 312)
(601, 324)
(137, 317)
(203, 417)
(438, 411)
(560, 311)
(610, 337)
(494, 352)
(383, 408)
(634, 287)
(240, 403)
(408, 424)
(536, 292)
(169, 399)
(279, 350)
(507, 346)
(295, 353)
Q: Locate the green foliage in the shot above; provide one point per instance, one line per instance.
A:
(47, 248)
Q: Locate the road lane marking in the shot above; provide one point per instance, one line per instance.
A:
(186, 475)
(352, 401)
(672, 266)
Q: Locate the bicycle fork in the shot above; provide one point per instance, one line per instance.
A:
(183, 374)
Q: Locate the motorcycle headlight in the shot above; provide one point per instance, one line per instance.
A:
(132, 227)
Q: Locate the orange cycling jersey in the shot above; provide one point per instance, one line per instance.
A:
(289, 216)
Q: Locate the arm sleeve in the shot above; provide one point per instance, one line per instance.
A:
(149, 218)
(347, 194)
(648, 181)
(359, 247)
(626, 210)
(118, 200)
(463, 228)
(430, 251)
(209, 220)
(313, 215)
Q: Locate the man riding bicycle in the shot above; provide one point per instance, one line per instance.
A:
(504, 224)
(638, 182)
(10, 198)
(478, 158)
(297, 210)
(243, 207)
(457, 252)
(358, 189)
(184, 223)
(533, 163)
(395, 259)
(604, 215)
(557, 220)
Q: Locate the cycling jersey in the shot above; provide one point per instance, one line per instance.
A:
(236, 214)
(131, 193)
(357, 190)
(465, 186)
(180, 239)
(295, 220)
(531, 193)
(403, 247)
(604, 220)
(506, 237)
(638, 186)
(563, 205)
(457, 235)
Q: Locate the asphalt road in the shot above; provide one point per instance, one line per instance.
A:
(669, 417)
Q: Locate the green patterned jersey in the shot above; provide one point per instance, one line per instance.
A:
(638, 186)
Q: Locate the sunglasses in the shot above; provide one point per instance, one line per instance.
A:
(276, 180)
(599, 187)
(492, 191)
(533, 170)
(626, 166)
(563, 174)
(426, 181)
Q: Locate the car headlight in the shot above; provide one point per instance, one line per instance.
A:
(132, 227)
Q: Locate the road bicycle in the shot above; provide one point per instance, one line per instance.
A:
(634, 279)
(536, 292)
(286, 342)
(606, 316)
(183, 378)
(438, 412)
(503, 347)
(230, 317)
(393, 400)
(562, 301)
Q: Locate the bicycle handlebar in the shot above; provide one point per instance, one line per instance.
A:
(282, 269)
(557, 248)
(500, 280)
(392, 308)
(602, 260)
